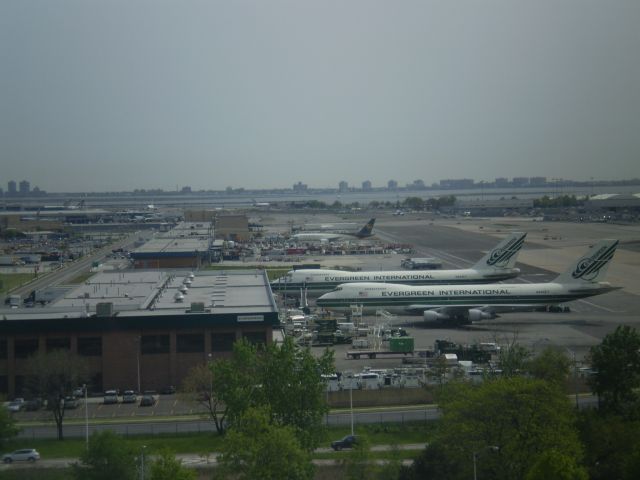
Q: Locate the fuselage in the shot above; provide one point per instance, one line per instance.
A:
(416, 299)
(319, 281)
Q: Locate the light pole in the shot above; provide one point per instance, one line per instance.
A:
(138, 361)
(575, 375)
(142, 462)
(86, 416)
(351, 400)
(475, 457)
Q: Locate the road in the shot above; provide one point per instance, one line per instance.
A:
(73, 269)
(210, 460)
(168, 425)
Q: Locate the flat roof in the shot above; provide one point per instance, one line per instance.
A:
(155, 298)
(186, 238)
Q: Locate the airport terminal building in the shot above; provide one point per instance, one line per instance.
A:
(140, 330)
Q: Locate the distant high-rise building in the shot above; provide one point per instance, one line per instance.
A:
(418, 184)
(11, 188)
(457, 183)
(392, 185)
(343, 187)
(502, 182)
(186, 189)
(366, 185)
(25, 187)
(538, 181)
(300, 187)
(520, 181)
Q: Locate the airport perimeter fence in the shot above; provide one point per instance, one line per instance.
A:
(200, 426)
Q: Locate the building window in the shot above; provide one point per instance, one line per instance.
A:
(3, 349)
(25, 347)
(190, 343)
(90, 346)
(4, 384)
(58, 344)
(150, 344)
(256, 337)
(222, 342)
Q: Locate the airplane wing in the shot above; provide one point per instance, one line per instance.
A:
(452, 310)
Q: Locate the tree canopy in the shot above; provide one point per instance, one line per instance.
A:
(510, 422)
(258, 448)
(8, 427)
(167, 467)
(107, 458)
(284, 378)
(551, 365)
(616, 362)
(54, 375)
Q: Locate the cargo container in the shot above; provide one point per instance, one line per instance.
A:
(401, 344)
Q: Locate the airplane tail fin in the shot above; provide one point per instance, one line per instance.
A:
(503, 255)
(367, 229)
(591, 267)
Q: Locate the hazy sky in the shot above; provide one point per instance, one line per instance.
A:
(116, 95)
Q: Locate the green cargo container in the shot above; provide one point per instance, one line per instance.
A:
(401, 344)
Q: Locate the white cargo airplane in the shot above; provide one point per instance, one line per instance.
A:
(498, 264)
(478, 302)
(364, 232)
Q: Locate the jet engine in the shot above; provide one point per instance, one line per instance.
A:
(433, 316)
(475, 315)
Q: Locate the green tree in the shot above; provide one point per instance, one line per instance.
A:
(198, 387)
(611, 442)
(513, 358)
(8, 428)
(53, 376)
(293, 388)
(258, 448)
(391, 468)
(557, 466)
(434, 463)
(284, 378)
(107, 458)
(616, 362)
(358, 464)
(522, 417)
(414, 203)
(551, 365)
(167, 467)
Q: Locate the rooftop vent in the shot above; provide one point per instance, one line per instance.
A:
(178, 297)
(104, 309)
(197, 307)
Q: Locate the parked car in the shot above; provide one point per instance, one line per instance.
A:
(129, 396)
(347, 442)
(24, 455)
(170, 390)
(15, 406)
(33, 405)
(78, 392)
(148, 399)
(110, 397)
(71, 403)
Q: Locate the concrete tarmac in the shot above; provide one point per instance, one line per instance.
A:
(550, 248)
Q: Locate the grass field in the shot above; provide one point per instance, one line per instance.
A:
(12, 280)
(203, 443)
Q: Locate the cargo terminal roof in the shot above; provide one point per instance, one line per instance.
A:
(182, 297)
(186, 239)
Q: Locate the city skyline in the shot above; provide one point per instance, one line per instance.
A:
(262, 95)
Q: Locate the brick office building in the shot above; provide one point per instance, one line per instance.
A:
(141, 330)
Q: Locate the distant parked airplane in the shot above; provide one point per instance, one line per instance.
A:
(364, 232)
